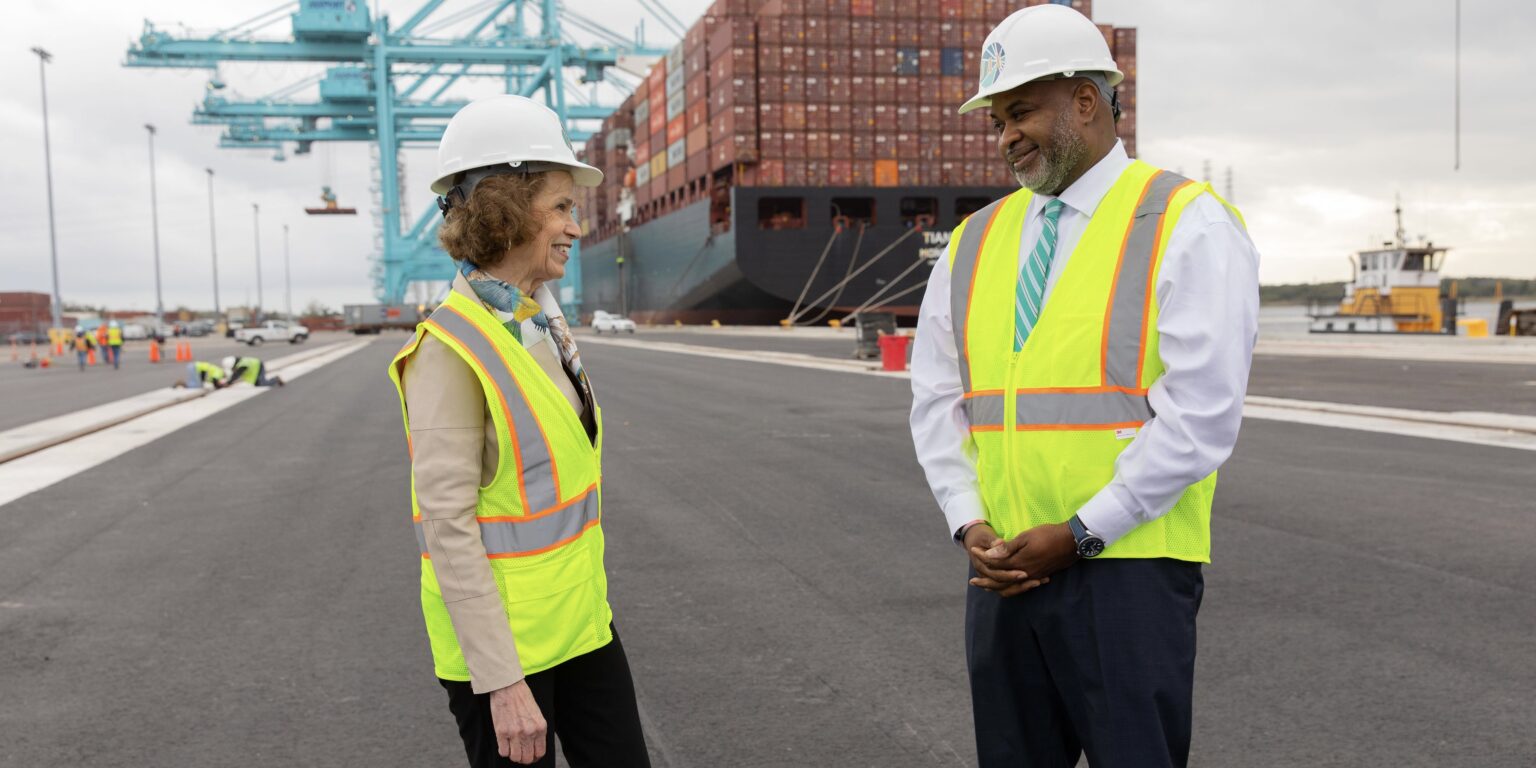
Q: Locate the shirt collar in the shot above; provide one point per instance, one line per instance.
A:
(1085, 193)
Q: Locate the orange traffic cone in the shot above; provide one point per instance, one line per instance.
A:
(185, 348)
(154, 352)
(90, 356)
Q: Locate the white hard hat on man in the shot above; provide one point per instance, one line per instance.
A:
(1038, 43)
(506, 134)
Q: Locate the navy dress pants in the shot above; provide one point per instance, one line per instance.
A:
(1099, 661)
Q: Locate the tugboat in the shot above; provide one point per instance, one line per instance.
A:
(1395, 289)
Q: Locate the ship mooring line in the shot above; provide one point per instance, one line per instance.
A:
(858, 245)
(882, 254)
(795, 310)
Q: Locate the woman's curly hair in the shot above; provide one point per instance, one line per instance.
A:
(498, 216)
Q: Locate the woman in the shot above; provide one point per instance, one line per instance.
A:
(506, 439)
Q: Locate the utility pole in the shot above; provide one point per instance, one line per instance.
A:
(256, 217)
(154, 218)
(287, 277)
(43, 57)
(213, 240)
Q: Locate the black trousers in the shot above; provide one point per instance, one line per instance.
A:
(1100, 660)
(588, 701)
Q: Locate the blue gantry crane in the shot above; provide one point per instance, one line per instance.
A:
(388, 87)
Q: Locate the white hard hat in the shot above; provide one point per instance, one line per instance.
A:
(507, 130)
(227, 363)
(1038, 42)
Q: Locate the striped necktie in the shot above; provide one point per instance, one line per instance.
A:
(1029, 296)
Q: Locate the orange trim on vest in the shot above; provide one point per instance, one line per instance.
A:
(1114, 282)
(543, 513)
(970, 295)
(1146, 306)
(1080, 390)
(542, 550)
(506, 410)
(1079, 427)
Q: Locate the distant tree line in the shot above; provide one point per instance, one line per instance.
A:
(1466, 287)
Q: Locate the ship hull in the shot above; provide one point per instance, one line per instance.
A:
(762, 269)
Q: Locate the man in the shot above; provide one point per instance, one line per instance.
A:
(83, 347)
(115, 344)
(200, 373)
(250, 370)
(1078, 376)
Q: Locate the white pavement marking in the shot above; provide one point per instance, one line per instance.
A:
(1434, 349)
(1504, 430)
(39, 470)
(41, 434)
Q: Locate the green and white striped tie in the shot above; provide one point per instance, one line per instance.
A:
(1029, 296)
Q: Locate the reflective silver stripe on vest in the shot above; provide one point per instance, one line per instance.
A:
(1127, 311)
(521, 537)
(1081, 409)
(961, 270)
(505, 537)
(985, 410)
(538, 470)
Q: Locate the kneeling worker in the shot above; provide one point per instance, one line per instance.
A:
(250, 370)
(200, 373)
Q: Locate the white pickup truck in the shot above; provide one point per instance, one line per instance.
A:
(272, 330)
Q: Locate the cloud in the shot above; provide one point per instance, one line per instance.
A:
(1324, 111)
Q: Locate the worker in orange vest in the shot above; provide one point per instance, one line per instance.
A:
(83, 345)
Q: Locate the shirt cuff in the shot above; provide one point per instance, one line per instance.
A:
(963, 508)
(1108, 515)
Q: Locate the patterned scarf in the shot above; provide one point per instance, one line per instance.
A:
(508, 299)
(505, 298)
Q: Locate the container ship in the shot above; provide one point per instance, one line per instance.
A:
(799, 160)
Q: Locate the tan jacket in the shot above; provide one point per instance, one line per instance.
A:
(454, 452)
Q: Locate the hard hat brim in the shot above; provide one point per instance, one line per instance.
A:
(582, 174)
(983, 97)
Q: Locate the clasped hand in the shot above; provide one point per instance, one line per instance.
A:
(1015, 566)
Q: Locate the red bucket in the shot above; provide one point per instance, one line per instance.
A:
(893, 351)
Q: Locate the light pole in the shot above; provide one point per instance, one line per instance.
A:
(256, 217)
(287, 277)
(43, 57)
(213, 242)
(154, 217)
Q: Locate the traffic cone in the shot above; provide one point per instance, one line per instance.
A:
(154, 352)
(186, 351)
(90, 356)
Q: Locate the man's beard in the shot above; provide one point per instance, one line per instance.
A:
(1057, 159)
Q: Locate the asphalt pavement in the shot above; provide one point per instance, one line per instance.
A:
(30, 394)
(243, 592)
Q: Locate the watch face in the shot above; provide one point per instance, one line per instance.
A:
(1091, 546)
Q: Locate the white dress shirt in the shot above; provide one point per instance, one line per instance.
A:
(1208, 303)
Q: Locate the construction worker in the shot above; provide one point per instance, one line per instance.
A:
(200, 373)
(1078, 376)
(83, 346)
(503, 426)
(115, 344)
(250, 370)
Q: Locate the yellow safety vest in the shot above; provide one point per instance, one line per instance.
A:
(1049, 421)
(539, 517)
(114, 336)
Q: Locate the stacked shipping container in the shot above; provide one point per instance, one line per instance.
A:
(841, 93)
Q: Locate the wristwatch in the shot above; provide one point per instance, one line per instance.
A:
(1089, 544)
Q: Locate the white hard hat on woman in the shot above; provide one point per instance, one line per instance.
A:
(506, 134)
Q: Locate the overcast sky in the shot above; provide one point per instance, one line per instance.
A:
(1324, 110)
